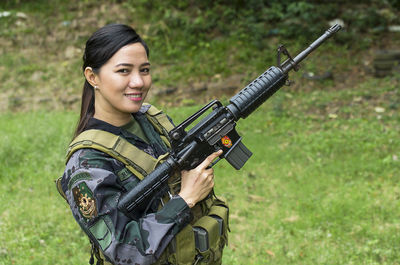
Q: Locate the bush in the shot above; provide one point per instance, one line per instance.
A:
(256, 19)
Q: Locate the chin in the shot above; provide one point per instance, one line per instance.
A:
(134, 109)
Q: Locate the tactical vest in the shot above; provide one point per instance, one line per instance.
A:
(200, 242)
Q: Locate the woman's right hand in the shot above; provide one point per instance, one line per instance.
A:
(197, 183)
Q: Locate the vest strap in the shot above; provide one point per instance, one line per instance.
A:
(160, 122)
(136, 161)
(118, 148)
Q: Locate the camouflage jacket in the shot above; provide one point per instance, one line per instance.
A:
(93, 183)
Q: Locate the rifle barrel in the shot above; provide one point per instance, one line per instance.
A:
(289, 65)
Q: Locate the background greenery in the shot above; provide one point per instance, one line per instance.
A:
(321, 187)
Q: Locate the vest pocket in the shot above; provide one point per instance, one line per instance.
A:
(185, 246)
(221, 211)
(211, 235)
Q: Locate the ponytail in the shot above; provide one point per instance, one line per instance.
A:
(87, 108)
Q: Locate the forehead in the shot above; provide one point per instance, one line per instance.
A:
(133, 53)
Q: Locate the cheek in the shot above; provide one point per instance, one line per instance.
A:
(116, 84)
(149, 83)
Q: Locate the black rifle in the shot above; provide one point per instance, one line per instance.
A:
(217, 130)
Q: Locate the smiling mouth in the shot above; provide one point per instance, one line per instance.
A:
(134, 97)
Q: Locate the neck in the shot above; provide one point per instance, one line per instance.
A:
(116, 119)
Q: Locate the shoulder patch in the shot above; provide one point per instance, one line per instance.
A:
(102, 233)
(79, 177)
(85, 201)
(124, 174)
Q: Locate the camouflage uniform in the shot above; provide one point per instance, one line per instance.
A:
(93, 183)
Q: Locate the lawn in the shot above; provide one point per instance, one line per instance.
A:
(320, 188)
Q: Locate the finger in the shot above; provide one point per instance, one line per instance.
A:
(209, 176)
(209, 159)
(209, 171)
(206, 175)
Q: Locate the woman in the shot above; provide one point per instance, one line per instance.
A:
(118, 141)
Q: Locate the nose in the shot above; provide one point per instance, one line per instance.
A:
(136, 81)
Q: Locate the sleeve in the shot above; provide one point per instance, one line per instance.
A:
(93, 187)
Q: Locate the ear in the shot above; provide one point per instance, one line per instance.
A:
(91, 77)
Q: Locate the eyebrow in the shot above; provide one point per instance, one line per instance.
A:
(131, 65)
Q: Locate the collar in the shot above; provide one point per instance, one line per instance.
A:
(94, 123)
(152, 149)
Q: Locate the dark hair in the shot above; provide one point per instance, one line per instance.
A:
(100, 47)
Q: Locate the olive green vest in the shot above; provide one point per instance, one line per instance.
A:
(203, 240)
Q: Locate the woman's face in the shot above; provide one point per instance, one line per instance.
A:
(123, 83)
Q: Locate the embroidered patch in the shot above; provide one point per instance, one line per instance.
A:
(124, 174)
(78, 177)
(226, 141)
(102, 233)
(85, 201)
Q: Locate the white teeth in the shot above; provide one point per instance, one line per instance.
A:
(134, 96)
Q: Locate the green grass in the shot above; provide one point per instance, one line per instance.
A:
(318, 189)
(321, 186)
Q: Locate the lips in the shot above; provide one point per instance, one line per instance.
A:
(134, 96)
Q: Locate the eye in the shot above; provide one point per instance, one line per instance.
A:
(145, 70)
(123, 70)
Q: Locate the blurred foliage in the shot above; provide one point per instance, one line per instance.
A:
(254, 20)
(190, 41)
(254, 25)
(250, 20)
